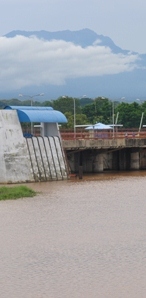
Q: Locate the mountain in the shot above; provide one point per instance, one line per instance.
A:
(130, 84)
(84, 37)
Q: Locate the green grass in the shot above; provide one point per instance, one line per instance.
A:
(15, 192)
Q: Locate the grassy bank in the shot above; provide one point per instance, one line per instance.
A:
(15, 192)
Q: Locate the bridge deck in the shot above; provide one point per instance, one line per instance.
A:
(105, 143)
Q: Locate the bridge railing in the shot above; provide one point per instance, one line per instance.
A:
(103, 135)
(82, 134)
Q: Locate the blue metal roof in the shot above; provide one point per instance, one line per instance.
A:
(38, 114)
(27, 108)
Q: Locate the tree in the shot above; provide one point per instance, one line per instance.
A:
(66, 104)
(89, 111)
(129, 114)
(80, 120)
(48, 103)
(85, 100)
(100, 110)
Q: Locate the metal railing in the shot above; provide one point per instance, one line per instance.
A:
(82, 134)
(127, 134)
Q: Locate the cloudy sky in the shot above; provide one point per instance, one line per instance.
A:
(123, 21)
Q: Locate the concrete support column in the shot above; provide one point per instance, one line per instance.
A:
(142, 162)
(134, 161)
(49, 129)
(108, 161)
(98, 163)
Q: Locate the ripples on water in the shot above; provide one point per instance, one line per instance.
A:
(76, 239)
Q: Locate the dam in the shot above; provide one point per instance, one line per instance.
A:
(98, 155)
(29, 159)
(49, 155)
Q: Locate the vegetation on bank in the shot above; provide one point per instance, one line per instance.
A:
(15, 192)
(90, 111)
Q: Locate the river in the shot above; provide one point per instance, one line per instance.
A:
(76, 239)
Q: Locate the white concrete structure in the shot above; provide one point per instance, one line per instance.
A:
(49, 129)
(32, 159)
(47, 158)
(14, 160)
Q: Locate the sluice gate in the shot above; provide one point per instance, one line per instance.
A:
(47, 159)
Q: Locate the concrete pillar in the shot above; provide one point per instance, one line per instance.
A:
(14, 159)
(142, 157)
(49, 129)
(134, 161)
(108, 161)
(98, 163)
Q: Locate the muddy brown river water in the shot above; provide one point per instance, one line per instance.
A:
(76, 239)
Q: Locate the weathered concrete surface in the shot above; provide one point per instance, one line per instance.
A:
(47, 158)
(106, 154)
(14, 160)
(135, 161)
(103, 143)
(27, 160)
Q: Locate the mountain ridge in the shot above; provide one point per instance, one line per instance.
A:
(83, 37)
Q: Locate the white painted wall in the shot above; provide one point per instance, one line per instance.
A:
(49, 129)
(14, 160)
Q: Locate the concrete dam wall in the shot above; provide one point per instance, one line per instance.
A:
(28, 160)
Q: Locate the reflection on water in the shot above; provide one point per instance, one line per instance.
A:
(76, 239)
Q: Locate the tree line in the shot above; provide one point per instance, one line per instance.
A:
(91, 111)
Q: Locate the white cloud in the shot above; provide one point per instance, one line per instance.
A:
(31, 61)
